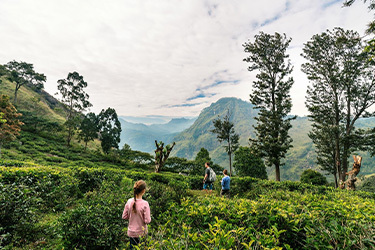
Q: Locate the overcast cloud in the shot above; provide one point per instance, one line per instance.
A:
(162, 57)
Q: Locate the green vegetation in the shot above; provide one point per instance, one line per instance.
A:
(80, 207)
(109, 129)
(313, 177)
(271, 95)
(22, 73)
(225, 133)
(248, 163)
(342, 76)
(10, 124)
(75, 99)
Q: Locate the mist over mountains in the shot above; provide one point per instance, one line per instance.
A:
(193, 134)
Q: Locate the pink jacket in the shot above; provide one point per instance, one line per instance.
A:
(137, 221)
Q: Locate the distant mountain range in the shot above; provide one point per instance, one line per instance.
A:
(191, 135)
(142, 137)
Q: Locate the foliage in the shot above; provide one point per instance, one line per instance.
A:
(278, 215)
(271, 96)
(96, 223)
(10, 125)
(17, 213)
(313, 177)
(75, 98)
(33, 122)
(202, 157)
(109, 129)
(224, 130)
(342, 91)
(89, 128)
(368, 184)
(248, 163)
(23, 73)
(2, 120)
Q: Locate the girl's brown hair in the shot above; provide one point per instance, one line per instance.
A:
(139, 186)
(225, 171)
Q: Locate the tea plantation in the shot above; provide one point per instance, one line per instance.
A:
(75, 207)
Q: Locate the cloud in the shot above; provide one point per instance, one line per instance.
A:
(162, 57)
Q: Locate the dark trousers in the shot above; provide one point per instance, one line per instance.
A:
(134, 242)
(225, 192)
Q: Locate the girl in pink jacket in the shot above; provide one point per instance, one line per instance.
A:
(137, 211)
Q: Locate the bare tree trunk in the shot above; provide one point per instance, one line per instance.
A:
(353, 173)
(336, 183)
(277, 168)
(230, 163)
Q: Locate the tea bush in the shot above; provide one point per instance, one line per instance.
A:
(87, 204)
(278, 220)
(18, 213)
(96, 223)
(55, 187)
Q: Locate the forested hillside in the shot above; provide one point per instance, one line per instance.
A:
(299, 158)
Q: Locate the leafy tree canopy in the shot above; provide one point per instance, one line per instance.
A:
(271, 95)
(23, 73)
(313, 177)
(89, 128)
(76, 100)
(248, 163)
(109, 129)
(224, 130)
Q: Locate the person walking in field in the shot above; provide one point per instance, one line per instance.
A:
(208, 178)
(225, 184)
(137, 211)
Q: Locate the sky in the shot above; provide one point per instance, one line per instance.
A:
(160, 58)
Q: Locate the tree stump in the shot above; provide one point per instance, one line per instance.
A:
(161, 154)
(352, 174)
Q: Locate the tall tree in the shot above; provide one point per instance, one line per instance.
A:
(10, 125)
(23, 73)
(271, 96)
(224, 130)
(76, 100)
(342, 91)
(161, 154)
(109, 129)
(248, 163)
(89, 128)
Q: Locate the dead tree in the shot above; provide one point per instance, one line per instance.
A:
(161, 154)
(350, 182)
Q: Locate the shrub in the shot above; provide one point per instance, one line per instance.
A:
(56, 188)
(96, 223)
(18, 205)
(368, 185)
(313, 177)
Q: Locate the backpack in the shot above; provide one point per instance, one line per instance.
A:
(212, 175)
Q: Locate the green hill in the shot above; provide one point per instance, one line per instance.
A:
(32, 100)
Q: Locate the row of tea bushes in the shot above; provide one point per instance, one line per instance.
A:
(276, 220)
(80, 207)
(28, 192)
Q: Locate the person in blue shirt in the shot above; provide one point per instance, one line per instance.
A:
(225, 184)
